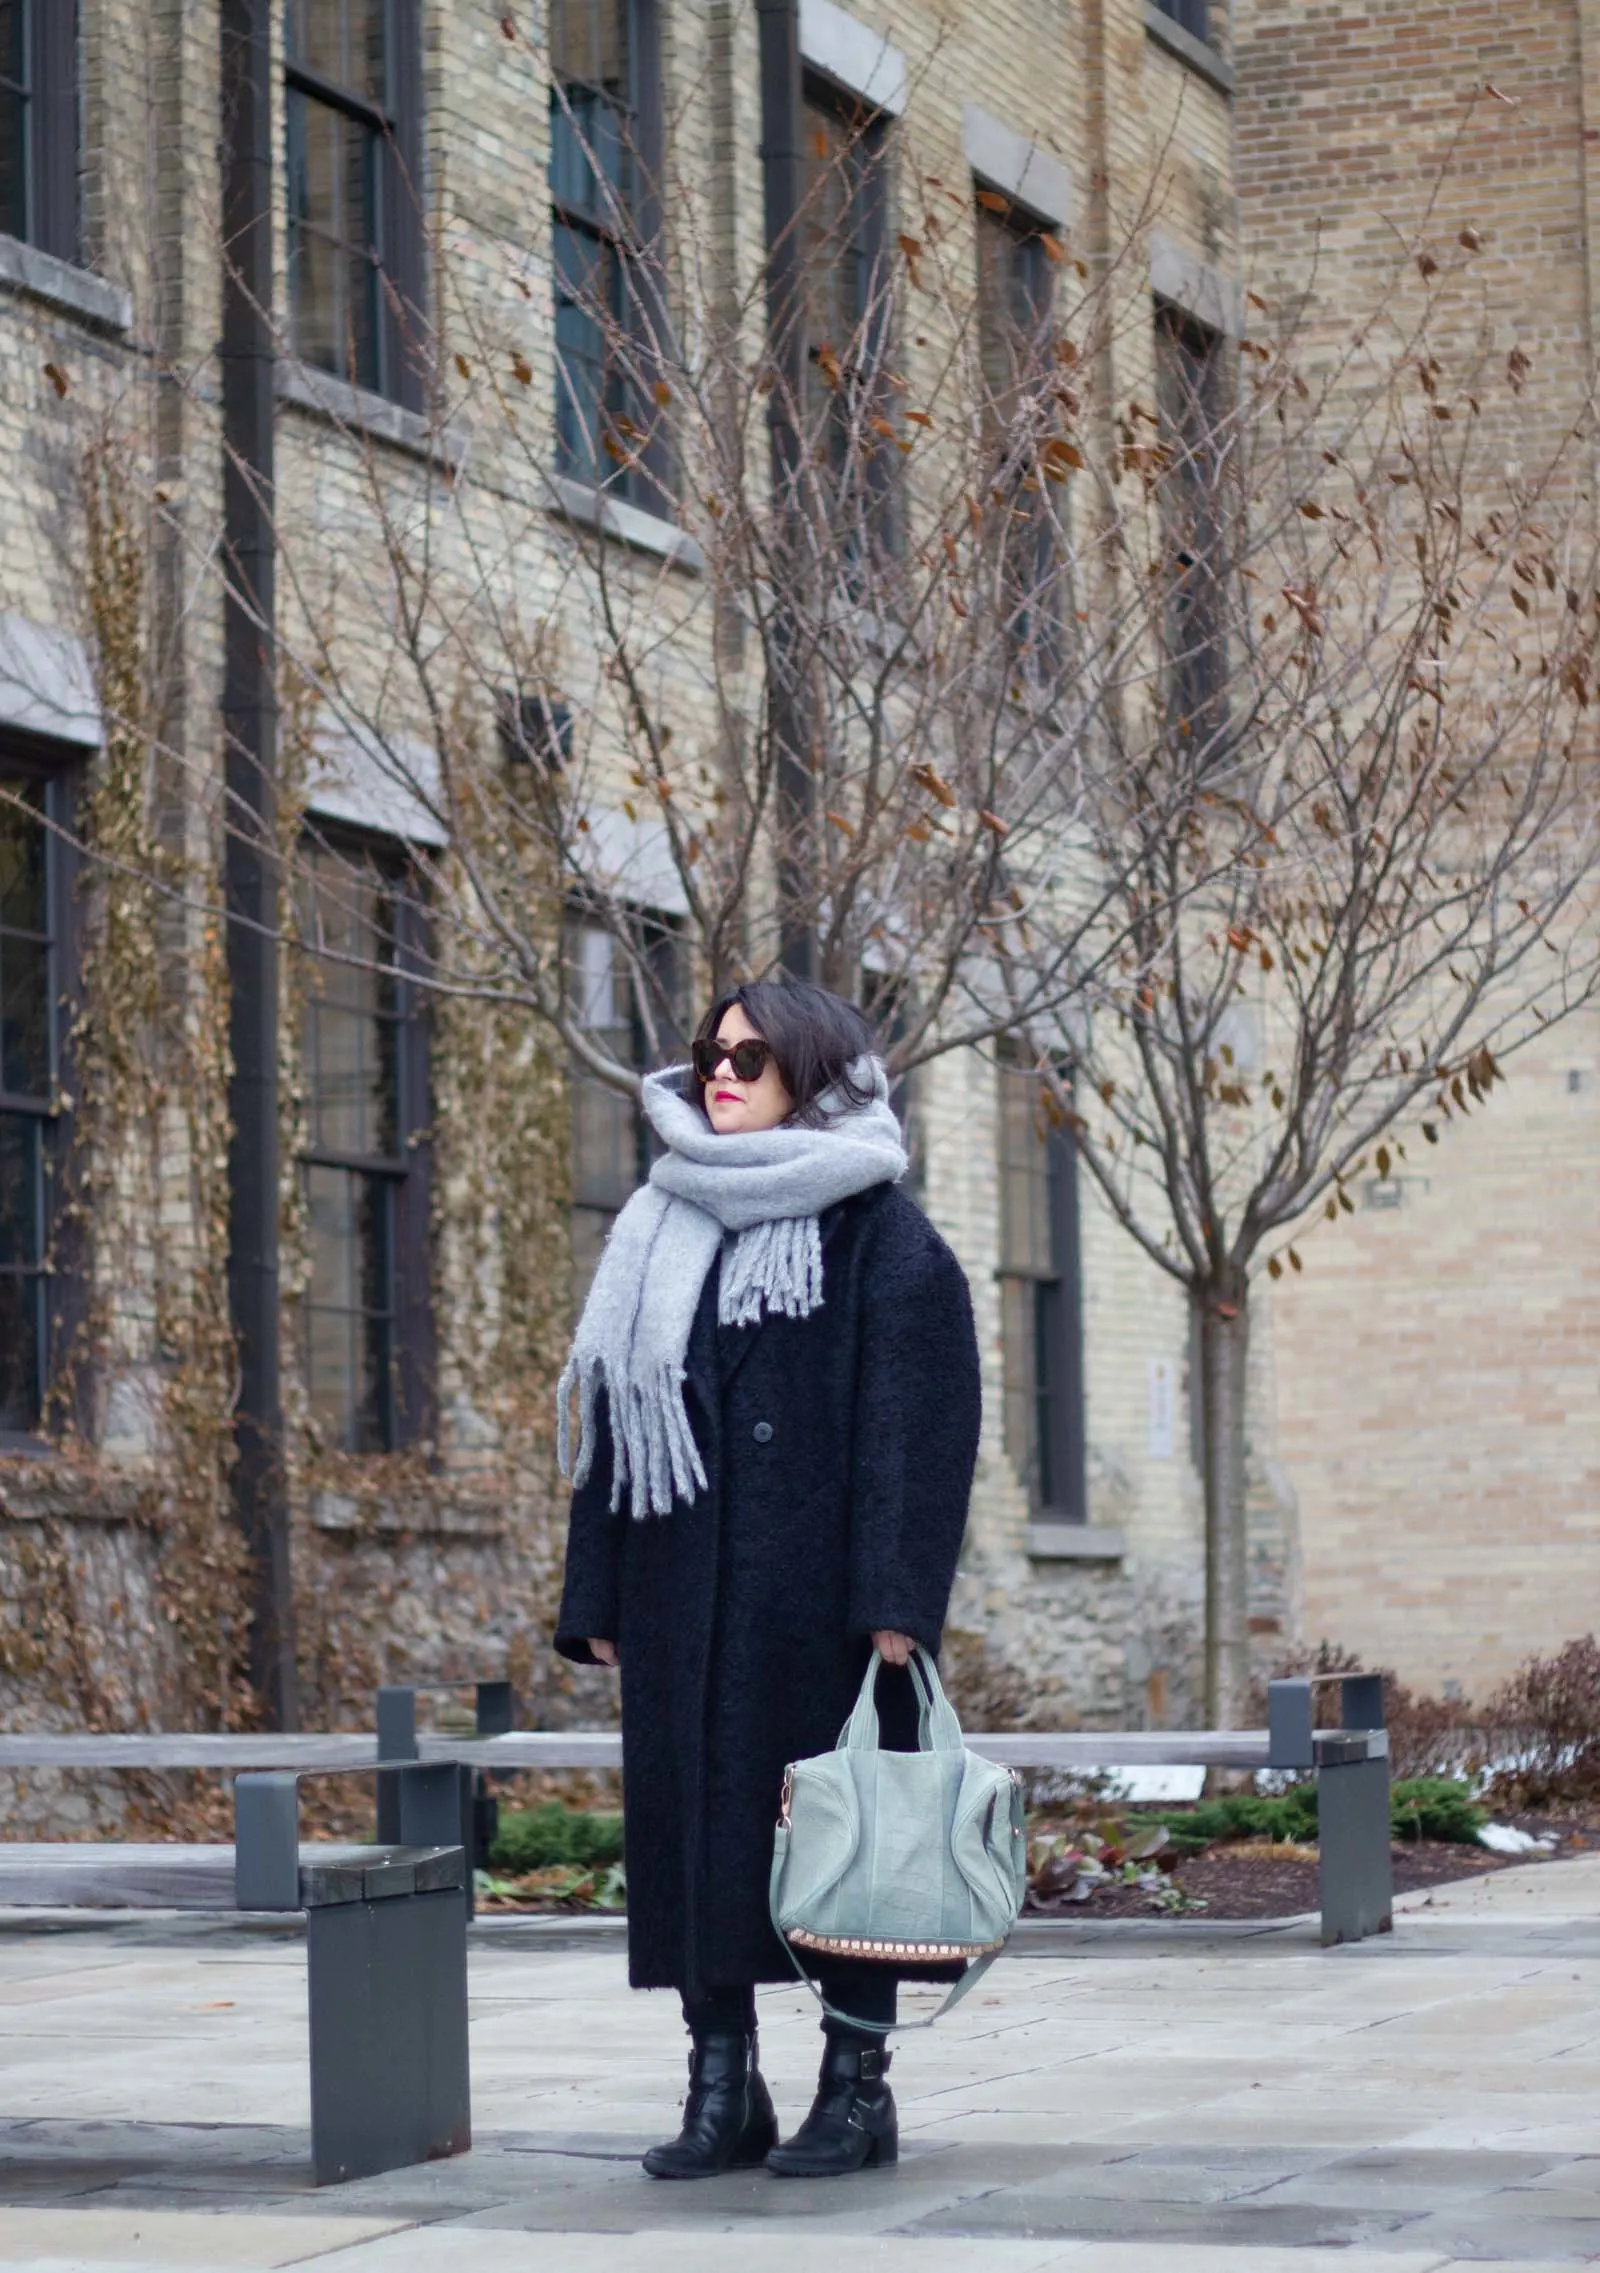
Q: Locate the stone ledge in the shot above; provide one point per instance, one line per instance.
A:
(391, 1514)
(1200, 56)
(61, 284)
(613, 517)
(358, 411)
(1074, 1543)
(41, 1485)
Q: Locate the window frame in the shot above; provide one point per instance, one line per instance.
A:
(63, 1267)
(647, 481)
(408, 1395)
(1192, 16)
(1058, 1490)
(1197, 667)
(1029, 642)
(48, 114)
(872, 160)
(395, 128)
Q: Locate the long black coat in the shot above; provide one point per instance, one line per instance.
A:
(838, 1452)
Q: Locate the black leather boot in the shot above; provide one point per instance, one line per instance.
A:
(728, 2119)
(852, 2121)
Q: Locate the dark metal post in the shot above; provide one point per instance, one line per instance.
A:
(778, 23)
(250, 861)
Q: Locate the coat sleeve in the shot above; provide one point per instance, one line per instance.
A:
(591, 1588)
(918, 1407)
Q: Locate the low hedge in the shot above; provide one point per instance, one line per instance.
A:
(539, 1838)
(1420, 1807)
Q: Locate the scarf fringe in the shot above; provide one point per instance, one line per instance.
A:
(755, 1199)
(774, 1267)
(654, 1457)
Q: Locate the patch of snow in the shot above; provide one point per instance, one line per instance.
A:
(1174, 1784)
(1506, 1839)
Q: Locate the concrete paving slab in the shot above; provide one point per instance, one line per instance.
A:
(1213, 2102)
(172, 2238)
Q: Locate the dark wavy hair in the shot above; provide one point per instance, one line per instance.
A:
(814, 1038)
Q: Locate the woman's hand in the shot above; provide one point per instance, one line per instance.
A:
(603, 1652)
(894, 1649)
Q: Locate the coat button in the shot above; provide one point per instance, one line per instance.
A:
(762, 1432)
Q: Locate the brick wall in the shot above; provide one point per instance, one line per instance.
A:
(1437, 1363)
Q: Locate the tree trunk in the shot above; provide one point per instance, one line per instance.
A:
(1223, 1304)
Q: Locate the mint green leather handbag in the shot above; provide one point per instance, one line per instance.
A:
(905, 1858)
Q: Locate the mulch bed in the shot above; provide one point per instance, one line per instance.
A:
(1249, 1881)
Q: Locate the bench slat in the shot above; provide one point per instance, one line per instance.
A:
(159, 1750)
(602, 1748)
(120, 1875)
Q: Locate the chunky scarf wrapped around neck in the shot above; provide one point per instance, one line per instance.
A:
(765, 1190)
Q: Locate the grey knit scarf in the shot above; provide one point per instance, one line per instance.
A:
(766, 1190)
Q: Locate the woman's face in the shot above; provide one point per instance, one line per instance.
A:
(735, 1107)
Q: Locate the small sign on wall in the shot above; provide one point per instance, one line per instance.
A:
(1163, 1406)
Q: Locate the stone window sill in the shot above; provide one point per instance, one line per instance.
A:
(359, 411)
(1200, 56)
(1075, 1543)
(60, 284)
(591, 508)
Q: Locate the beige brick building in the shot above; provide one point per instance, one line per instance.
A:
(435, 1164)
(1437, 1365)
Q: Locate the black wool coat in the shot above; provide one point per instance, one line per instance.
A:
(839, 1452)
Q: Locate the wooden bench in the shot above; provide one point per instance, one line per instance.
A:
(1351, 1764)
(386, 1951)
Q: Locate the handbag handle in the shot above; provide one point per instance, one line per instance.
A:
(938, 1730)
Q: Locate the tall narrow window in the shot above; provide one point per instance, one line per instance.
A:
(843, 238)
(1014, 303)
(35, 918)
(355, 235)
(1190, 381)
(603, 131)
(39, 124)
(1040, 1298)
(366, 1198)
(1193, 15)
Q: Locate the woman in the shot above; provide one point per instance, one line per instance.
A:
(777, 1387)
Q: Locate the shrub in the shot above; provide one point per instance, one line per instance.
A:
(1428, 1736)
(1420, 1807)
(539, 1838)
(1435, 1807)
(1545, 1726)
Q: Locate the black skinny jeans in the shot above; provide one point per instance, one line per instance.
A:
(849, 1984)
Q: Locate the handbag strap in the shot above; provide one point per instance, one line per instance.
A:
(969, 1980)
(938, 1730)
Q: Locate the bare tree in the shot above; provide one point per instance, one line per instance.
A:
(1351, 836)
(773, 653)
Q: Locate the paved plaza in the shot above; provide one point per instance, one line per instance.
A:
(1115, 2098)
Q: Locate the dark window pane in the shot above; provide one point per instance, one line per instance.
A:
(348, 908)
(1189, 377)
(22, 863)
(24, 1017)
(21, 1231)
(341, 40)
(349, 1308)
(353, 1012)
(1025, 1235)
(332, 250)
(13, 121)
(1193, 15)
(589, 43)
(19, 1353)
(21, 1279)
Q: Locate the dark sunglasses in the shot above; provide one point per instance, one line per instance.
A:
(748, 1059)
